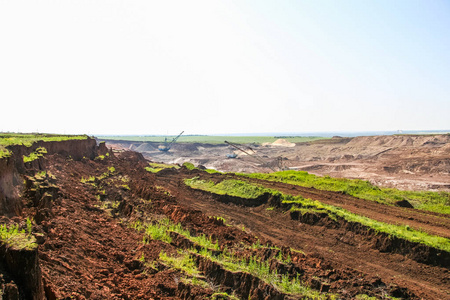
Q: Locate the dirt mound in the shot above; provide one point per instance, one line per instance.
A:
(282, 143)
(145, 147)
(400, 140)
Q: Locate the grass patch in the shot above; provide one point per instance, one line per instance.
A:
(223, 296)
(189, 165)
(304, 205)
(8, 139)
(39, 152)
(161, 229)
(156, 167)
(18, 239)
(4, 152)
(431, 201)
(403, 232)
(90, 180)
(237, 188)
(183, 262)
(198, 282)
(261, 269)
(212, 171)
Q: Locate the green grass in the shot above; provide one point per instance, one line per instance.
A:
(161, 229)
(156, 167)
(210, 139)
(182, 262)
(230, 187)
(189, 165)
(102, 157)
(303, 205)
(8, 139)
(4, 152)
(425, 200)
(212, 171)
(111, 171)
(223, 296)
(261, 269)
(89, 180)
(18, 239)
(400, 231)
(39, 152)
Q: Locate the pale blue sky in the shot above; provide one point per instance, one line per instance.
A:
(205, 67)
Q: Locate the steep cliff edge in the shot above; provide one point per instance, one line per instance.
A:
(13, 167)
(19, 263)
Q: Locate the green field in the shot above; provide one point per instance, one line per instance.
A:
(213, 139)
(27, 139)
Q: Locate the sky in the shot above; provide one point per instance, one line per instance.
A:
(219, 67)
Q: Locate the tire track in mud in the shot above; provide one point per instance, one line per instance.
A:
(342, 249)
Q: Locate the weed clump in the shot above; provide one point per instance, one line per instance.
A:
(18, 239)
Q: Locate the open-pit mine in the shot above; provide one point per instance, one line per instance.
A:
(83, 218)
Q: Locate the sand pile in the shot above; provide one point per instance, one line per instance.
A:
(283, 143)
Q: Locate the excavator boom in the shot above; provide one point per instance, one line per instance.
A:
(166, 147)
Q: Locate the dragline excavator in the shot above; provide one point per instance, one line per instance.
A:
(167, 145)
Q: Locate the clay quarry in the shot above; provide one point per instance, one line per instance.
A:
(85, 219)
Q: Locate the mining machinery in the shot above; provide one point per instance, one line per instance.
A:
(167, 145)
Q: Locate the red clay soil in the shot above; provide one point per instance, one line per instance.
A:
(89, 249)
(339, 247)
(90, 255)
